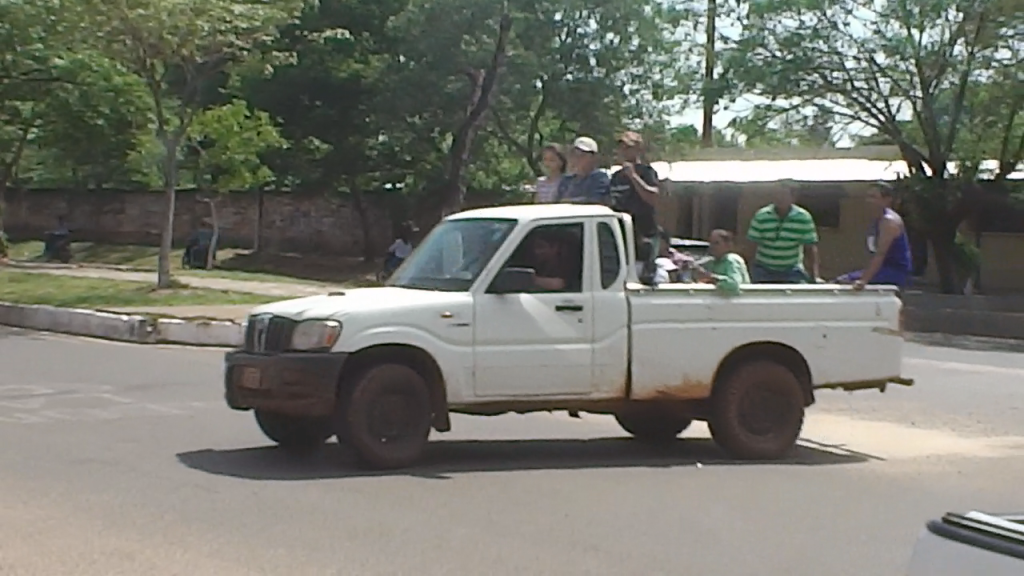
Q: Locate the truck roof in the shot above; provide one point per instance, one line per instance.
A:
(526, 212)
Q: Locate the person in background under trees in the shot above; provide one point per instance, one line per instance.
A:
(634, 189)
(555, 164)
(401, 248)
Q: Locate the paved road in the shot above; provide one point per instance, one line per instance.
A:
(117, 459)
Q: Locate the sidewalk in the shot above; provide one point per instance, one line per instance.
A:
(282, 289)
(190, 325)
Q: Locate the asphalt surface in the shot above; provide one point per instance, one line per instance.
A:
(119, 459)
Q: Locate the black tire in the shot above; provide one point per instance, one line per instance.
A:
(294, 432)
(388, 416)
(653, 423)
(757, 411)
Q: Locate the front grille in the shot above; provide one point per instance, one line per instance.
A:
(268, 334)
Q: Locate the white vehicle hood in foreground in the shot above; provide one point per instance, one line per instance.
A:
(969, 544)
(343, 303)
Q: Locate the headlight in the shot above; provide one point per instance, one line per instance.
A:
(316, 335)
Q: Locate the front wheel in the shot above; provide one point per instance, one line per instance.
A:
(757, 411)
(294, 432)
(387, 416)
(653, 423)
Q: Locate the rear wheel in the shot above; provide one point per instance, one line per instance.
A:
(387, 416)
(653, 423)
(294, 432)
(757, 411)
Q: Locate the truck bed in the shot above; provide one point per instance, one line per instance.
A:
(850, 340)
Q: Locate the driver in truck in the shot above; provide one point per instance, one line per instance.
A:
(553, 260)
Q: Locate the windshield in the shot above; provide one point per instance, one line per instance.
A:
(453, 255)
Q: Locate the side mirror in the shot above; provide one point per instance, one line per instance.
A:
(513, 280)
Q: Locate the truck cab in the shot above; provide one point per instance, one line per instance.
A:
(538, 308)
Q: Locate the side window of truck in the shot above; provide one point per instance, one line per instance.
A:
(553, 251)
(608, 249)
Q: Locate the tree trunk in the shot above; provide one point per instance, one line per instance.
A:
(216, 234)
(163, 274)
(707, 139)
(7, 171)
(976, 278)
(365, 226)
(3, 205)
(918, 250)
(257, 233)
(483, 84)
(943, 241)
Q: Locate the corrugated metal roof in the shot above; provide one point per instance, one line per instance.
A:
(831, 170)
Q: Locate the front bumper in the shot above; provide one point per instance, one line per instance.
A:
(300, 384)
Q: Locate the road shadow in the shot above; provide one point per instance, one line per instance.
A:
(447, 458)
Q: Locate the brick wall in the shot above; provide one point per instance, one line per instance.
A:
(291, 222)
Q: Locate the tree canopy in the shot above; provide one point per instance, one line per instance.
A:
(427, 102)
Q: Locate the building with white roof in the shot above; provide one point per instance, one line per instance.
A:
(722, 188)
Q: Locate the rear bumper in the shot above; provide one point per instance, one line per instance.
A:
(301, 384)
(880, 385)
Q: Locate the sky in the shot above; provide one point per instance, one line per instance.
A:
(731, 29)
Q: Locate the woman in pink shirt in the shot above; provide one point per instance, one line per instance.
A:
(554, 162)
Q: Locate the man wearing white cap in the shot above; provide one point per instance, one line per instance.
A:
(586, 184)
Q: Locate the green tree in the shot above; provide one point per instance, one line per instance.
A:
(90, 126)
(908, 70)
(178, 48)
(385, 102)
(34, 35)
(225, 146)
(452, 56)
(766, 128)
(675, 143)
(228, 144)
(589, 67)
(338, 105)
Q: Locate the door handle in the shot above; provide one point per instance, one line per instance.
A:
(568, 308)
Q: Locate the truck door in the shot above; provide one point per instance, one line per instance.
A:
(610, 312)
(539, 343)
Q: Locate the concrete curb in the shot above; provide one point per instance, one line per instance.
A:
(123, 327)
(199, 332)
(981, 323)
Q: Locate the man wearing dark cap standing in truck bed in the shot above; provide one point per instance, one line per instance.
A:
(634, 190)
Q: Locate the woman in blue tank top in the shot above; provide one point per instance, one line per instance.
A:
(887, 242)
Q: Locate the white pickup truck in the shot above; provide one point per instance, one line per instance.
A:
(471, 323)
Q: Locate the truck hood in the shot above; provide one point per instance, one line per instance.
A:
(339, 304)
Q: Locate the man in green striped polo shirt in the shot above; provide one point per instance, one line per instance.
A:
(783, 232)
